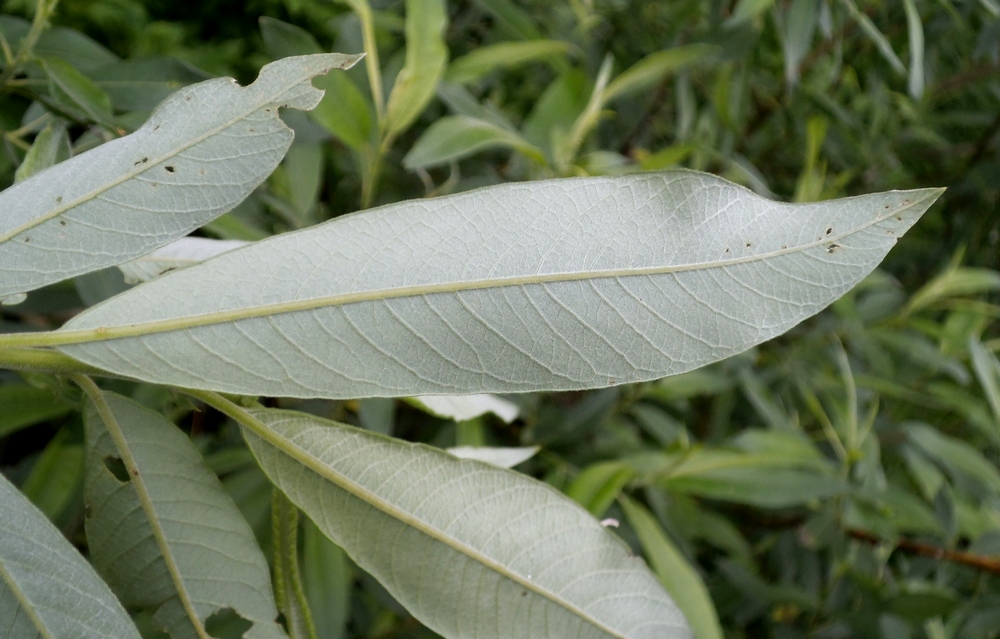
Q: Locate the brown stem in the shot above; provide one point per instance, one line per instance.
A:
(991, 564)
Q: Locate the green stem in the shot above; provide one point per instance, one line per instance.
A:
(288, 588)
(45, 361)
(43, 11)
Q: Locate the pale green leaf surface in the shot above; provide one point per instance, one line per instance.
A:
(502, 55)
(426, 57)
(170, 538)
(463, 407)
(676, 574)
(129, 196)
(458, 542)
(495, 455)
(46, 588)
(458, 136)
(563, 284)
(186, 251)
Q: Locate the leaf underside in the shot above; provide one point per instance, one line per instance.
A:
(47, 589)
(185, 547)
(202, 151)
(471, 550)
(555, 285)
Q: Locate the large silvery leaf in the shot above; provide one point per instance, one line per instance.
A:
(556, 285)
(470, 549)
(202, 151)
(46, 588)
(162, 529)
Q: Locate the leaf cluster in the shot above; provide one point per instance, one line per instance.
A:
(839, 480)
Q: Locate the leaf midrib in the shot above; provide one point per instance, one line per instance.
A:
(105, 333)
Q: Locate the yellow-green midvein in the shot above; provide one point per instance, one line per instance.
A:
(105, 333)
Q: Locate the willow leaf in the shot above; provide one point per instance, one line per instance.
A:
(554, 285)
(161, 528)
(458, 542)
(202, 151)
(46, 588)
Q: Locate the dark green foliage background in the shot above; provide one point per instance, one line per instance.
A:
(788, 475)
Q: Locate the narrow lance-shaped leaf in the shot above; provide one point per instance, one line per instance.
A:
(131, 195)
(458, 542)
(186, 251)
(46, 588)
(502, 55)
(678, 577)
(162, 530)
(426, 56)
(563, 284)
(457, 136)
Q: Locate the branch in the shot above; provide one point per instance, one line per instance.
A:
(991, 564)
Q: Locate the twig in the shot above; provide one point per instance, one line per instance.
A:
(991, 564)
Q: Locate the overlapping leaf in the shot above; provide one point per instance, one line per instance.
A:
(163, 531)
(565, 284)
(46, 588)
(202, 151)
(470, 549)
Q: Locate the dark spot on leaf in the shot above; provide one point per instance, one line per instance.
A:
(142, 161)
(899, 218)
(829, 230)
(832, 247)
(156, 128)
(116, 467)
(886, 207)
(27, 239)
(784, 247)
(62, 222)
(59, 200)
(170, 168)
(749, 245)
(252, 130)
(727, 249)
(201, 171)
